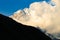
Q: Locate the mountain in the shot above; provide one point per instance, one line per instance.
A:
(12, 30)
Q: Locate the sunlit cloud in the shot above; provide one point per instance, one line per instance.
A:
(42, 15)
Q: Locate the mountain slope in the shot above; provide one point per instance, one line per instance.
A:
(11, 30)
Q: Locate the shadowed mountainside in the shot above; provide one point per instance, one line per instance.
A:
(11, 30)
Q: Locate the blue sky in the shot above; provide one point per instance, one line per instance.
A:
(8, 7)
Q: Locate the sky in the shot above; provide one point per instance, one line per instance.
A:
(8, 7)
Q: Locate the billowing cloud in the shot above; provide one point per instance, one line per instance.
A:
(40, 15)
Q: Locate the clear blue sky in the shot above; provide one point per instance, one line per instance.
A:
(7, 7)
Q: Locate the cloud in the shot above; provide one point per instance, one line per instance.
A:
(40, 14)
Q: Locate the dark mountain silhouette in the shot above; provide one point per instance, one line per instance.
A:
(11, 30)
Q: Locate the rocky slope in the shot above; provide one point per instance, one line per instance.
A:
(11, 30)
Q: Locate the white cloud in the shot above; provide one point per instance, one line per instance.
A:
(40, 14)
